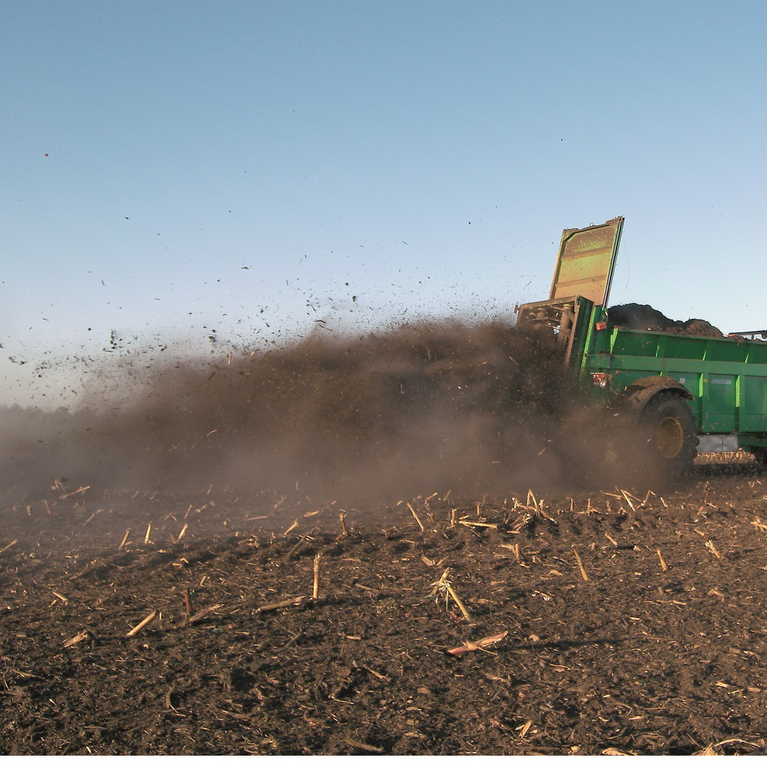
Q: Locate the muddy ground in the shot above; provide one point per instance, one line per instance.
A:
(619, 622)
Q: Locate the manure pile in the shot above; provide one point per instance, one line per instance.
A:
(643, 317)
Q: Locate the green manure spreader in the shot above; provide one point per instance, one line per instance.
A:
(685, 385)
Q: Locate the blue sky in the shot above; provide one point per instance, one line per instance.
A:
(173, 168)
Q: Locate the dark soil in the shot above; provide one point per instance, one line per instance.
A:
(654, 647)
(619, 614)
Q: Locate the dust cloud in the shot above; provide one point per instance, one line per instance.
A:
(476, 408)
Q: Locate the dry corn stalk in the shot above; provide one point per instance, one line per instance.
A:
(188, 602)
(628, 500)
(477, 524)
(417, 519)
(282, 604)
(715, 749)
(515, 549)
(142, 624)
(646, 498)
(204, 612)
(523, 729)
(81, 489)
(354, 744)
(443, 588)
(711, 548)
(580, 565)
(8, 546)
(478, 645)
(78, 638)
(316, 588)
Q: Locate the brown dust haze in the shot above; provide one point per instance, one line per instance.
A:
(434, 406)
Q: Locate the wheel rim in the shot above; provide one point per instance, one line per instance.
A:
(669, 438)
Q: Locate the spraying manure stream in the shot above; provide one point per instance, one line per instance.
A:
(443, 404)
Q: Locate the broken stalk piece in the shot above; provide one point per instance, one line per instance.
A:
(141, 624)
(316, 588)
(444, 587)
(417, 519)
(478, 645)
(584, 575)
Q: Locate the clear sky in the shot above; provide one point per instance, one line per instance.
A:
(173, 167)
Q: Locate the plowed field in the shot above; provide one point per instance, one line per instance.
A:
(412, 543)
(616, 621)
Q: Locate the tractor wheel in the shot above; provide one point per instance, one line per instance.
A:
(671, 431)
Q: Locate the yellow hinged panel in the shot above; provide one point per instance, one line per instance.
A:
(586, 262)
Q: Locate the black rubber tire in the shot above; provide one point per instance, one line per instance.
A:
(671, 432)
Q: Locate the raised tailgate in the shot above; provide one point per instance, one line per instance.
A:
(586, 262)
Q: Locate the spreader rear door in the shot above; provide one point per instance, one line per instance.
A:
(586, 262)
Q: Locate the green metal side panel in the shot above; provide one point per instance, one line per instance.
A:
(727, 377)
(757, 353)
(718, 403)
(753, 406)
(586, 262)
